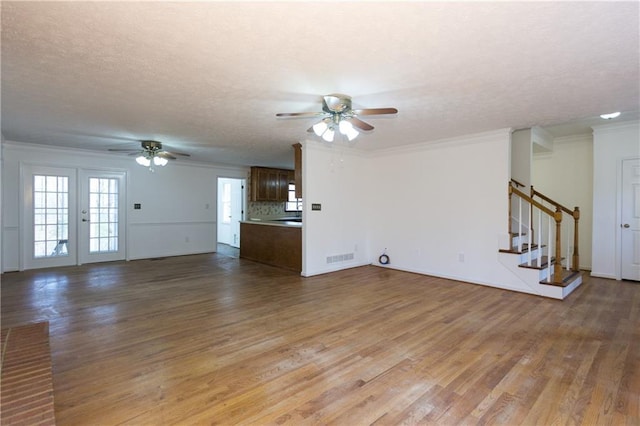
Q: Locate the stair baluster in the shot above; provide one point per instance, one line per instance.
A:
(547, 243)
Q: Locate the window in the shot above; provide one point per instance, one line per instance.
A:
(50, 215)
(103, 215)
(293, 204)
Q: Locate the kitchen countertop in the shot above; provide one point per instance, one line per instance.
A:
(279, 222)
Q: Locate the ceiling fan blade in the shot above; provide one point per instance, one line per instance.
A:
(299, 114)
(165, 154)
(360, 124)
(182, 154)
(123, 150)
(375, 111)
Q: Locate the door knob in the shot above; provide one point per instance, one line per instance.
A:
(626, 225)
(85, 220)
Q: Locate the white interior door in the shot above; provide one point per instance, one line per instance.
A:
(49, 214)
(101, 229)
(237, 210)
(230, 210)
(630, 224)
(224, 210)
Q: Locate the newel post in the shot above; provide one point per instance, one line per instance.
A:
(576, 254)
(557, 266)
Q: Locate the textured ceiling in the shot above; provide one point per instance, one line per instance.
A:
(208, 77)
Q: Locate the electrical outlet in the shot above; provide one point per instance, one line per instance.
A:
(461, 257)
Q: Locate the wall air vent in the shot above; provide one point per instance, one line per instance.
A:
(340, 258)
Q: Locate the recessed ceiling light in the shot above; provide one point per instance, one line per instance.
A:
(610, 116)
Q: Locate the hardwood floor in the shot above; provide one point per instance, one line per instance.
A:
(214, 339)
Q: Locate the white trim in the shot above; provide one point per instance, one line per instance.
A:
(31, 147)
(607, 276)
(574, 139)
(195, 222)
(614, 127)
(445, 143)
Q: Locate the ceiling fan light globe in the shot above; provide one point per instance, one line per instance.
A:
(320, 128)
(344, 126)
(347, 129)
(328, 135)
(351, 134)
(159, 161)
(143, 161)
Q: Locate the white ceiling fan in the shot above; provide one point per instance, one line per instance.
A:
(151, 154)
(337, 115)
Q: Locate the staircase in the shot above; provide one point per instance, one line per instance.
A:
(536, 235)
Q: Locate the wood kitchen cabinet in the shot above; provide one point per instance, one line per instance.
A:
(274, 245)
(297, 156)
(270, 184)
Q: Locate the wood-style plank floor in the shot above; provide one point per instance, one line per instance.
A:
(210, 339)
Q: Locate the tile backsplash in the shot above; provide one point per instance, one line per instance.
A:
(268, 210)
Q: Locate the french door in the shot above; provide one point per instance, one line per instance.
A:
(101, 226)
(49, 217)
(72, 216)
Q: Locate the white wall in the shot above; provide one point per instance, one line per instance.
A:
(566, 175)
(430, 205)
(442, 208)
(521, 152)
(178, 214)
(611, 144)
(337, 178)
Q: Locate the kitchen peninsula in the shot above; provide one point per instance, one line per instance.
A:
(274, 242)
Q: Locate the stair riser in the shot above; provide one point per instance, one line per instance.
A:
(533, 276)
(524, 257)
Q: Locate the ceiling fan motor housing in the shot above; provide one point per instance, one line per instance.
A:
(151, 145)
(336, 103)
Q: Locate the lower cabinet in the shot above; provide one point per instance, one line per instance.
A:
(271, 244)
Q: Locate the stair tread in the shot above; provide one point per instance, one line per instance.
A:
(525, 249)
(568, 277)
(544, 262)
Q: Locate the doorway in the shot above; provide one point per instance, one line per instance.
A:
(71, 216)
(630, 220)
(231, 207)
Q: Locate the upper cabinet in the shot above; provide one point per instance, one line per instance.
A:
(270, 184)
(297, 153)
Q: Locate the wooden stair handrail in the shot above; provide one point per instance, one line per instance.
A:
(557, 216)
(522, 185)
(535, 193)
(524, 196)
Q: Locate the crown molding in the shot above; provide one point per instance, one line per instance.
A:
(457, 141)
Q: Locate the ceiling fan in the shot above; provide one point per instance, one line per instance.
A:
(151, 153)
(337, 114)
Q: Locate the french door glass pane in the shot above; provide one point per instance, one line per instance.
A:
(103, 214)
(50, 216)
